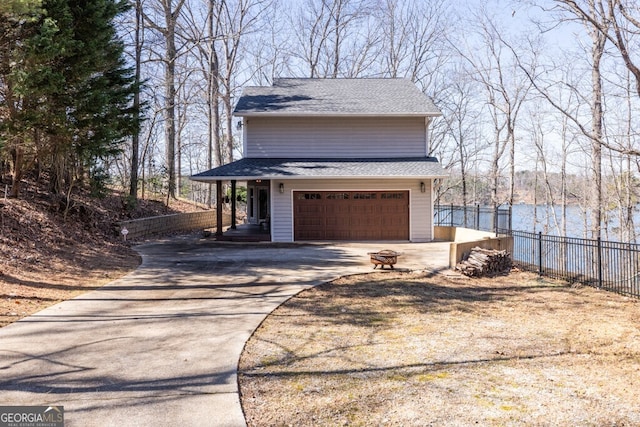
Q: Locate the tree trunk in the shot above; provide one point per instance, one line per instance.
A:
(17, 160)
(169, 59)
(229, 114)
(135, 141)
(463, 171)
(214, 152)
(512, 159)
(337, 18)
(170, 111)
(495, 165)
(597, 50)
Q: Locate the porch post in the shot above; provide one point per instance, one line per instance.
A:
(233, 204)
(219, 208)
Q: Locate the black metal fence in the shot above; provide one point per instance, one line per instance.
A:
(478, 217)
(613, 266)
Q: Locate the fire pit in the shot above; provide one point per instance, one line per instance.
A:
(384, 257)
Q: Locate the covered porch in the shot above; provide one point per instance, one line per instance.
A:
(245, 233)
(254, 224)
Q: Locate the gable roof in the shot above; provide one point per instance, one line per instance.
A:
(269, 168)
(336, 97)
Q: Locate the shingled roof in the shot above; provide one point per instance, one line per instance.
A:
(265, 168)
(331, 97)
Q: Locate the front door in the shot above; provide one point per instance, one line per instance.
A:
(258, 202)
(263, 204)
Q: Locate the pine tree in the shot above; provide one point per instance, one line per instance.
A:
(17, 24)
(75, 90)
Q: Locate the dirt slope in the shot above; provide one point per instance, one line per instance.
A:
(52, 250)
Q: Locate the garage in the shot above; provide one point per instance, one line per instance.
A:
(351, 215)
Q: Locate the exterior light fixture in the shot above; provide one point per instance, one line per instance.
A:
(281, 188)
(423, 188)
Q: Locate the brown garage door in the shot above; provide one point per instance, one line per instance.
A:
(351, 215)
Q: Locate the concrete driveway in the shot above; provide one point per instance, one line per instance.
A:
(161, 345)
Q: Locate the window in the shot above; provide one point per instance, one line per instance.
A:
(338, 196)
(396, 196)
(309, 196)
(364, 196)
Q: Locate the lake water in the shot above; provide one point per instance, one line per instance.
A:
(534, 218)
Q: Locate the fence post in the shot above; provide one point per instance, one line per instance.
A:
(478, 216)
(540, 253)
(599, 262)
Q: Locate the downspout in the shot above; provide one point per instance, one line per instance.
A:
(435, 186)
(427, 148)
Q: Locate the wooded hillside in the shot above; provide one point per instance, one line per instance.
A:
(53, 247)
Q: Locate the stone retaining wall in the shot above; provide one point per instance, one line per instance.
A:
(144, 227)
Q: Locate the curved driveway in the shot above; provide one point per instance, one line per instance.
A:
(160, 346)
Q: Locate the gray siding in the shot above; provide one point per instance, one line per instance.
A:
(327, 137)
(420, 208)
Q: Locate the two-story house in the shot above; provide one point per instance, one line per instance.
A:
(336, 159)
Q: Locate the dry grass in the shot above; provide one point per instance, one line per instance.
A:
(419, 350)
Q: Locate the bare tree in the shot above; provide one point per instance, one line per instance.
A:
(594, 132)
(615, 20)
(235, 21)
(619, 22)
(461, 117)
(539, 134)
(598, 40)
(621, 183)
(495, 67)
(167, 29)
(267, 50)
(631, 13)
(414, 38)
(568, 138)
(203, 34)
(321, 28)
(212, 74)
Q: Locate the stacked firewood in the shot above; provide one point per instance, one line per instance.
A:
(485, 262)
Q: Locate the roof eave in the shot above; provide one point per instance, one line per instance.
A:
(287, 178)
(280, 114)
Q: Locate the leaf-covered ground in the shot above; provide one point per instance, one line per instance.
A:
(52, 249)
